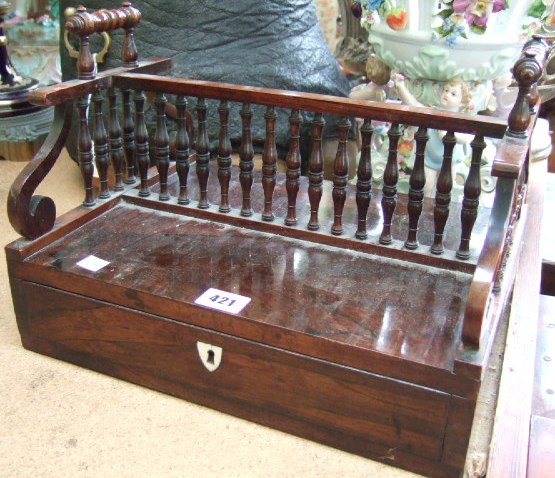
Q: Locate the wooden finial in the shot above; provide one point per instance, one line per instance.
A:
(527, 71)
(84, 24)
(129, 52)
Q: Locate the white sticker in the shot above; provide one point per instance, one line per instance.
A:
(224, 301)
(92, 263)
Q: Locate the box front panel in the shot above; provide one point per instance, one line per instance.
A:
(155, 352)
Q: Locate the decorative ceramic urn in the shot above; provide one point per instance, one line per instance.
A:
(431, 41)
(23, 126)
(449, 54)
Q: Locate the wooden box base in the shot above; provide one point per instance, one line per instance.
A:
(347, 348)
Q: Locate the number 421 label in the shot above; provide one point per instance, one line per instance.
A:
(224, 301)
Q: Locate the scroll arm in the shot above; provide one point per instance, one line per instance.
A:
(32, 216)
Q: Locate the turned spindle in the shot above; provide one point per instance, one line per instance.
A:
(84, 24)
(315, 171)
(100, 146)
(246, 164)
(340, 177)
(293, 163)
(128, 137)
(390, 178)
(224, 157)
(472, 189)
(364, 179)
(129, 54)
(443, 192)
(141, 143)
(162, 146)
(182, 149)
(203, 154)
(115, 139)
(84, 149)
(269, 159)
(527, 71)
(538, 46)
(416, 188)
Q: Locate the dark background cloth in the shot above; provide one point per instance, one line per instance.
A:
(268, 43)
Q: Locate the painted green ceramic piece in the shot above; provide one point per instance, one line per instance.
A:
(435, 62)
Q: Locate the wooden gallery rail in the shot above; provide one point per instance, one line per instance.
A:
(357, 317)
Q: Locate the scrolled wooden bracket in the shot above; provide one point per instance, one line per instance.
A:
(32, 216)
(83, 24)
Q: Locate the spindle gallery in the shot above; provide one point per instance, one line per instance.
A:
(333, 309)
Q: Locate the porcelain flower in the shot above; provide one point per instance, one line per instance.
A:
(374, 4)
(451, 27)
(458, 19)
(477, 12)
(368, 20)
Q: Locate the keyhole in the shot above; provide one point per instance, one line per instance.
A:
(210, 355)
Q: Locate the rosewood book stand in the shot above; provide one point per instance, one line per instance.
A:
(356, 317)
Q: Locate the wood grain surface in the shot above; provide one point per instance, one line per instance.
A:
(510, 440)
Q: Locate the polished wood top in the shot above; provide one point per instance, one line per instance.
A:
(405, 310)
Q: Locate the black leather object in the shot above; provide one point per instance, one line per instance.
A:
(269, 43)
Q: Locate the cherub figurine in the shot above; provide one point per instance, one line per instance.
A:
(378, 74)
(503, 96)
(455, 96)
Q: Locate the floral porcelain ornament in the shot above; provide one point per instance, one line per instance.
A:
(460, 16)
(396, 17)
(431, 42)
